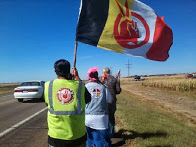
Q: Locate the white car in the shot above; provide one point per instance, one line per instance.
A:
(29, 90)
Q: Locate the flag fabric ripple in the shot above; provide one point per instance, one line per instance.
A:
(124, 26)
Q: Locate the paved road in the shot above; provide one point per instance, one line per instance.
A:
(13, 112)
(31, 134)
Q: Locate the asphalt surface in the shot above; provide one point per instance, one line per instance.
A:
(33, 133)
(12, 112)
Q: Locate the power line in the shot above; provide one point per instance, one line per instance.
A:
(128, 67)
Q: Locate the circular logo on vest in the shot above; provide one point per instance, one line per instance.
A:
(65, 95)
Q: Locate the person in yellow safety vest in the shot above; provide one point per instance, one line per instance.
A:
(66, 99)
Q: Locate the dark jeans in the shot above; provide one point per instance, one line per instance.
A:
(111, 112)
(111, 130)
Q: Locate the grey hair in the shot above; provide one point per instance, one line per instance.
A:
(106, 70)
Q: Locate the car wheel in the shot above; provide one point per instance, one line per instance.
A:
(20, 100)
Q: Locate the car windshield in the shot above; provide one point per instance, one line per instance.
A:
(30, 84)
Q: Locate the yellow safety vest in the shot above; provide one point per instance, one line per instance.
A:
(66, 104)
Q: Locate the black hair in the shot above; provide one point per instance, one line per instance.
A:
(62, 68)
(95, 75)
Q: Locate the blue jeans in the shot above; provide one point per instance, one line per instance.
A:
(99, 138)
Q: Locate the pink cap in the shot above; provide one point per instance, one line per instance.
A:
(92, 70)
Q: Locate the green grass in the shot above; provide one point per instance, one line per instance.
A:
(142, 124)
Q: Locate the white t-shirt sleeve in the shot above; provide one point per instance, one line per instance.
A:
(108, 96)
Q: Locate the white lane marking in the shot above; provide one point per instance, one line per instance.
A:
(20, 123)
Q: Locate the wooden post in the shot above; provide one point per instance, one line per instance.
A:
(75, 52)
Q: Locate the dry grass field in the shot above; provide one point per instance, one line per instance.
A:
(7, 88)
(174, 83)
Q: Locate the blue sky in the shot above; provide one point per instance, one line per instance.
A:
(36, 33)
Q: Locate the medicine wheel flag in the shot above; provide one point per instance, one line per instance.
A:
(124, 26)
(96, 93)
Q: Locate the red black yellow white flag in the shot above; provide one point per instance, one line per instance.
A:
(124, 26)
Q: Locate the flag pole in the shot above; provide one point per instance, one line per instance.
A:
(75, 52)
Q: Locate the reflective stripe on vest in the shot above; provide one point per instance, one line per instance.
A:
(76, 112)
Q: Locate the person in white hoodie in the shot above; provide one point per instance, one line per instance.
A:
(96, 111)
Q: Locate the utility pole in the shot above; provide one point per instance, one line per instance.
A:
(128, 66)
